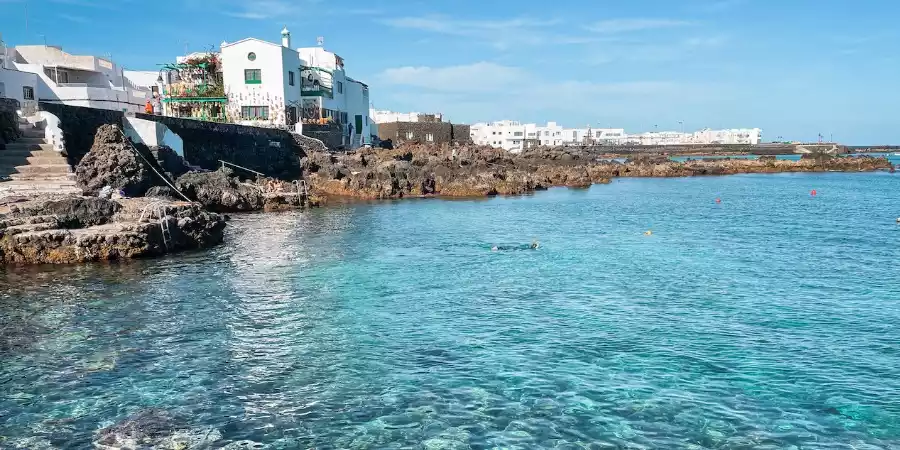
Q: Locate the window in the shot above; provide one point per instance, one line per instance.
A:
(429, 137)
(251, 56)
(599, 133)
(28, 92)
(255, 112)
(340, 87)
(409, 135)
(253, 76)
(517, 133)
(291, 77)
(546, 133)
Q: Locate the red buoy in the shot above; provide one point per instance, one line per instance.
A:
(718, 201)
(814, 193)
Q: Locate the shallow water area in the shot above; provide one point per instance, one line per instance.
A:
(766, 321)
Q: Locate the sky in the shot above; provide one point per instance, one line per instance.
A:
(795, 68)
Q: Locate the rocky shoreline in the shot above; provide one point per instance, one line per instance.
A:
(416, 171)
(151, 220)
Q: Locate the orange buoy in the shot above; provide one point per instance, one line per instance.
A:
(814, 193)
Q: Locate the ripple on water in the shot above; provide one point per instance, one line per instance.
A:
(765, 322)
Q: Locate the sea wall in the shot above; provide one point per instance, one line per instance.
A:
(331, 135)
(79, 125)
(270, 151)
(424, 132)
(267, 150)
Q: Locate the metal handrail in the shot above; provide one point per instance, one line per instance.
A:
(224, 163)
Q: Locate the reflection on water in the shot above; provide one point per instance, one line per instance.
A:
(766, 321)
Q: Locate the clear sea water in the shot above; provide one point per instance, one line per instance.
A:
(768, 321)
(892, 157)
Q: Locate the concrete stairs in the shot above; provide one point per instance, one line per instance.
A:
(30, 166)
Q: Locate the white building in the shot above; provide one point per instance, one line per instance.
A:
(515, 136)
(15, 84)
(77, 80)
(269, 84)
(330, 95)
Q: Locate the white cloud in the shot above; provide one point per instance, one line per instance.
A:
(471, 78)
(615, 26)
(500, 34)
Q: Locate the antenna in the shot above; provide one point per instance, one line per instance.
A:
(320, 41)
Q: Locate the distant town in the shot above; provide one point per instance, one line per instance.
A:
(267, 84)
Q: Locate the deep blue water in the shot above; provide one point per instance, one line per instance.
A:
(768, 321)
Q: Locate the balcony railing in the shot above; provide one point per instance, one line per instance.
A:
(192, 90)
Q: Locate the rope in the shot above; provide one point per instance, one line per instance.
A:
(164, 178)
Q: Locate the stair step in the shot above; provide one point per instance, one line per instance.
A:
(42, 169)
(30, 140)
(52, 177)
(32, 133)
(20, 146)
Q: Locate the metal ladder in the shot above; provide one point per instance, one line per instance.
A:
(302, 191)
(159, 208)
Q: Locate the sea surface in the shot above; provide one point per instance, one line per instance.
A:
(770, 320)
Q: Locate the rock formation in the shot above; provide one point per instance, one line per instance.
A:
(221, 191)
(84, 229)
(112, 162)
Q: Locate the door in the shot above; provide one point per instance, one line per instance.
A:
(359, 126)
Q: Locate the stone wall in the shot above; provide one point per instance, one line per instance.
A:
(441, 132)
(9, 121)
(270, 151)
(331, 135)
(79, 125)
(267, 150)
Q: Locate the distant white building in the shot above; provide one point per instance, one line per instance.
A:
(515, 136)
(78, 80)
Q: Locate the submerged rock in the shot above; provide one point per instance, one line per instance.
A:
(156, 429)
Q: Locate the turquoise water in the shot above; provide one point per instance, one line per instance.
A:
(768, 321)
(893, 158)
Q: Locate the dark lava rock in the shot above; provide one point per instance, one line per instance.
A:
(170, 162)
(73, 212)
(162, 192)
(219, 191)
(111, 162)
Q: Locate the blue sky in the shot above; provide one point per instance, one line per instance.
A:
(794, 68)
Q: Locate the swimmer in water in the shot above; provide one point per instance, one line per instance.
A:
(648, 233)
(535, 245)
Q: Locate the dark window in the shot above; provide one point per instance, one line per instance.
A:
(251, 56)
(28, 92)
(253, 76)
(255, 112)
(291, 78)
(340, 87)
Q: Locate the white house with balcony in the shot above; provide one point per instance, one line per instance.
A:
(268, 84)
(78, 80)
(332, 96)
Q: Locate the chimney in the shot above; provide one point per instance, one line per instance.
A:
(285, 38)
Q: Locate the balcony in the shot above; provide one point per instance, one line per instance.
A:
(194, 92)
